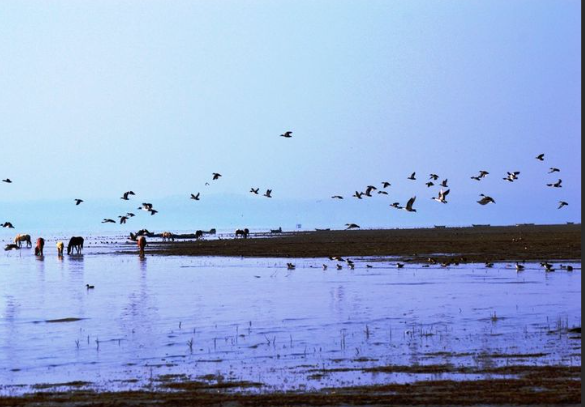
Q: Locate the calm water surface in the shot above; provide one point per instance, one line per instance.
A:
(254, 320)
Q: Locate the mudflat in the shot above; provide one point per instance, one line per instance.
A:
(478, 244)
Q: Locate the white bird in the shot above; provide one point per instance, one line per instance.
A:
(442, 195)
(512, 176)
(485, 200)
(409, 204)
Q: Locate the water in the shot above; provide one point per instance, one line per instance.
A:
(254, 320)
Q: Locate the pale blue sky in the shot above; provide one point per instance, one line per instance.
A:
(101, 97)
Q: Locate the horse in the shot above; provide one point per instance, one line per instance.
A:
(39, 247)
(168, 236)
(22, 238)
(198, 234)
(60, 247)
(141, 244)
(242, 232)
(76, 242)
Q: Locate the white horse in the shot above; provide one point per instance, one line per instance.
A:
(23, 238)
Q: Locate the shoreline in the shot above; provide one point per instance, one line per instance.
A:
(472, 244)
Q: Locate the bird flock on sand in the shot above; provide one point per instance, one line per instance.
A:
(433, 180)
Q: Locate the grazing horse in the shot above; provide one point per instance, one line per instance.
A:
(39, 247)
(76, 242)
(168, 236)
(243, 232)
(198, 234)
(141, 244)
(22, 238)
(60, 247)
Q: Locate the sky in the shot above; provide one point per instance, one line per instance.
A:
(98, 98)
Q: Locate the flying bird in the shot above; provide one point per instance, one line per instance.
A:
(556, 184)
(386, 184)
(512, 176)
(130, 215)
(268, 193)
(369, 190)
(358, 195)
(382, 193)
(216, 176)
(287, 134)
(336, 197)
(444, 183)
(429, 184)
(561, 204)
(412, 176)
(351, 226)
(108, 221)
(553, 169)
(126, 195)
(434, 177)
(255, 190)
(146, 207)
(152, 212)
(409, 204)
(195, 197)
(123, 219)
(78, 201)
(485, 200)
(396, 205)
(8, 225)
(540, 157)
(442, 195)
(7, 180)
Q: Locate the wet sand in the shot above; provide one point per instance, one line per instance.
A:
(478, 244)
(526, 386)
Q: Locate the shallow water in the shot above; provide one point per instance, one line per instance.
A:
(254, 320)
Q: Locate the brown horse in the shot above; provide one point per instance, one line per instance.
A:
(39, 247)
(76, 242)
(141, 244)
(168, 236)
(243, 232)
(22, 238)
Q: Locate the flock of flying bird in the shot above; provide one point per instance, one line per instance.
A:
(441, 196)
